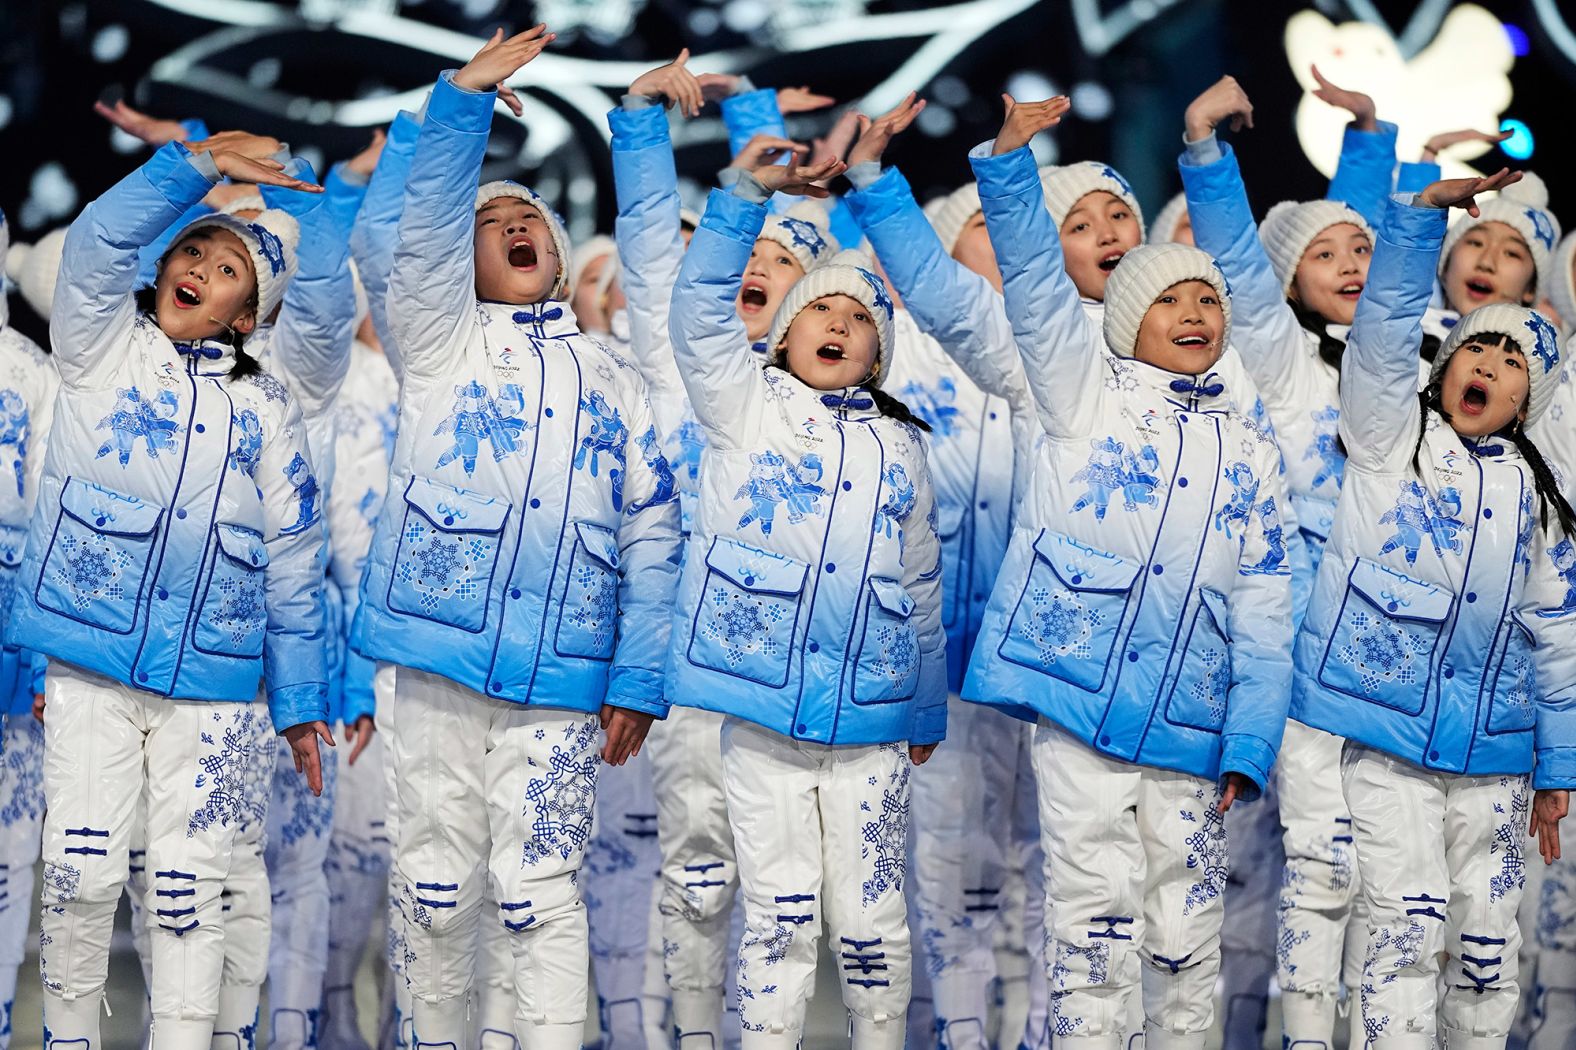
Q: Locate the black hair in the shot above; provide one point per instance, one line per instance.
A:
(1331, 349)
(1543, 480)
(888, 405)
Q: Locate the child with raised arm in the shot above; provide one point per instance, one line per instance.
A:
(520, 574)
(1143, 611)
(1437, 639)
(174, 558)
(808, 615)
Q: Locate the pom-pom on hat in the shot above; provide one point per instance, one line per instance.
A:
(1291, 226)
(1562, 284)
(951, 212)
(270, 240)
(1068, 184)
(1524, 207)
(1164, 229)
(250, 202)
(1139, 279)
(805, 230)
(490, 191)
(34, 268)
(849, 273)
(1533, 332)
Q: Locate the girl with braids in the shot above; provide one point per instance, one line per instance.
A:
(809, 614)
(1438, 639)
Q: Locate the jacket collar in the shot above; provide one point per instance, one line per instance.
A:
(549, 319)
(1204, 392)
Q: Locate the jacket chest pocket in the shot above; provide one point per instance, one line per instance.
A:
(1514, 708)
(748, 612)
(588, 615)
(448, 554)
(1198, 696)
(1070, 611)
(1382, 648)
(888, 665)
(234, 616)
(954, 585)
(97, 563)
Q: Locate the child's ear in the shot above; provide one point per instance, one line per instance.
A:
(245, 323)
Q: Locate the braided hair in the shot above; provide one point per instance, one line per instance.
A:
(885, 403)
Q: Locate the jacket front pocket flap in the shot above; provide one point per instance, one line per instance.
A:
(1523, 626)
(891, 596)
(108, 512)
(1083, 567)
(12, 542)
(949, 519)
(599, 542)
(1215, 602)
(242, 544)
(755, 569)
(1399, 596)
(456, 510)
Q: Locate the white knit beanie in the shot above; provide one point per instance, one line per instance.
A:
(847, 273)
(805, 230)
(1291, 226)
(270, 240)
(951, 212)
(1068, 184)
(1139, 279)
(555, 226)
(1562, 285)
(1524, 207)
(250, 202)
(34, 268)
(601, 246)
(1164, 229)
(1540, 346)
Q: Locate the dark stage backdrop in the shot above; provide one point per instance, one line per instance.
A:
(320, 73)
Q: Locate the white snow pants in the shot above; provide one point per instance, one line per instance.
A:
(1319, 889)
(700, 875)
(964, 801)
(821, 832)
(1135, 878)
(21, 818)
(490, 791)
(107, 748)
(1442, 870)
(296, 849)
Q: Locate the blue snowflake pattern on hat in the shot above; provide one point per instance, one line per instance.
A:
(271, 247)
(1544, 344)
(1542, 228)
(805, 233)
(1116, 177)
(882, 300)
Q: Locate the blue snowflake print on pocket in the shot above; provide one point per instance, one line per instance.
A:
(1114, 471)
(1384, 651)
(92, 569)
(136, 418)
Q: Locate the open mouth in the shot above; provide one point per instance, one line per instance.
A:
(830, 353)
(522, 254)
(186, 296)
(1474, 399)
(1478, 288)
(1350, 291)
(753, 298)
(1108, 262)
(1190, 342)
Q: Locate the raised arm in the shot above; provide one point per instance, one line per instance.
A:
(375, 234)
(722, 375)
(1264, 329)
(312, 337)
(432, 287)
(98, 267)
(1059, 346)
(1380, 414)
(650, 240)
(953, 305)
(1367, 162)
